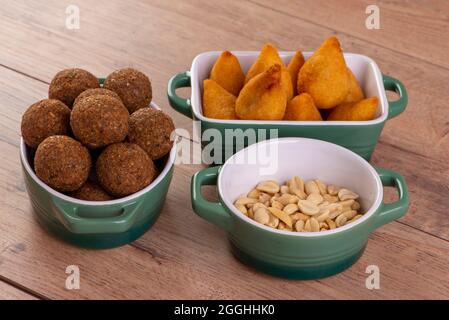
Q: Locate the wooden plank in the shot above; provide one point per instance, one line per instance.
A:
(8, 292)
(414, 28)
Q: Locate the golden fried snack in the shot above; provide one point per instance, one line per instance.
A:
(355, 111)
(263, 97)
(228, 73)
(355, 93)
(324, 75)
(218, 103)
(269, 56)
(293, 68)
(302, 108)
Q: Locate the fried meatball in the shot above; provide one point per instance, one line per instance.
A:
(91, 191)
(151, 130)
(96, 91)
(99, 120)
(68, 84)
(133, 87)
(124, 168)
(62, 163)
(45, 118)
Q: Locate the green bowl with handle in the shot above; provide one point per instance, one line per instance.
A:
(225, 137)
(304, 255)
(97, 224)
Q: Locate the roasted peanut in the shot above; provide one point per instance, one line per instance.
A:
(321, 186)
(299, 225)
(284, 189)
(345, 194)
(262, 216)
(332, 190)
(253, 194)
(242, 209)
(308, 207)
(315, 198)
(282, 216)
(268, 186)
(311, 187)
(291, 208)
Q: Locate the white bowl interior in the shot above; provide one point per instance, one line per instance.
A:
(281, 159)
(364, 68)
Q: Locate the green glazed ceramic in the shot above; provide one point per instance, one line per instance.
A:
(358, 136)
(97, 224)
(305, 255)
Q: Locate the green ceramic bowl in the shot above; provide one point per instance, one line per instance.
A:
(358, 136)
(97, 224)
(307, 255)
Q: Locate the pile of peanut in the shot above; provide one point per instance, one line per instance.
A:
(300, 206)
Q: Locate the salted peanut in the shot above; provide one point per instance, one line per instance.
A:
(276, 204)
(307, 226)
(300, 216)
(258, 205)
(355, 206)
(217, 102)
(283, 226)
(245, 201)
(335, 209)
(314, 224)
(264, 197)
(324, 225)
(308, 207)
(331, 224)
(345, 194)
(321, 186)
(332, 190)
(242, 209)
(273, 222)
(355, 111)
(347, 204)
(293, 68)
(251, 213)
(341, 220)
(355, 93)
(358, 216)
(254, 194)
(299, 225)
(291, 208)
(322, 217)
(287, 198)
(350, 214)
(268, 186)
(302, 108)
(262, 216)
(296, 186)
(228, 73)
(325, 75)
(263, 97)
(329, 198)
(285, 189)
(315, 198)
(282, 216)
(311, 187)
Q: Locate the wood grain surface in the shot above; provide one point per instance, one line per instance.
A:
(183, 256)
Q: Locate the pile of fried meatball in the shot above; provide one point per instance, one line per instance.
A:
(97, 143)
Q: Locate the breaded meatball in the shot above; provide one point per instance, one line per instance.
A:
(151, 130)
(99, 120)
(62, 163)
(124, 168)
(96, 91)
(133, 87)
(91, 191)
(45, 118)
(68, 84)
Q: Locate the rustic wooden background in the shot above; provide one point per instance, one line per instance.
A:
(184, 256)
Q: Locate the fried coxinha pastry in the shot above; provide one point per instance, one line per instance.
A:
(293, 68)
(268, 57)
(355, 93)
(228, 73)
(325, 75)
(355, 111)
(218, 103)
(263, 97)
(302, 108)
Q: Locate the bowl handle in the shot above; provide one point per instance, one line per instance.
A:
(211, 211)
(181, 105)
(69, 216)
(395, 210)
(398, 106)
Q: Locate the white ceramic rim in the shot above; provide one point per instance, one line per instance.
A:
(377, 74)
(337, 148)
(162, 174)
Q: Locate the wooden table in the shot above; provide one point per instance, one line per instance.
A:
(183, 256)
